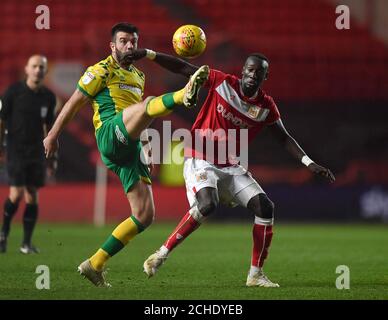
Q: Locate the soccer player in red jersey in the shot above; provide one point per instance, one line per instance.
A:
(232, 103)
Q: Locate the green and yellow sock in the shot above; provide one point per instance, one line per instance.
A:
(164, 104)
(119, 238)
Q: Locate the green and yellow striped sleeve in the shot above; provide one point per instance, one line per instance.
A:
(93, 81)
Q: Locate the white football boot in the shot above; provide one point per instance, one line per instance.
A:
(259, 279)
(194, 85)
(153, 262)
(96, 277)
(28, 249)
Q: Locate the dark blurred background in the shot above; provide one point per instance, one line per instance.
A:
(331, 87)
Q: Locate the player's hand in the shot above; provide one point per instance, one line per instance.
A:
(324, 172)
(135, 54)
(51, 146)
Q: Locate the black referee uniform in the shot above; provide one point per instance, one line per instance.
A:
(25, 113)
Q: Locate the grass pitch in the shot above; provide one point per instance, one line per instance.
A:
(211, 264)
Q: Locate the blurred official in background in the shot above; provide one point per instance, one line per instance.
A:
(26, 114)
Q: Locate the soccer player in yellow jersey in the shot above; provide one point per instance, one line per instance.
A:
(115, 88)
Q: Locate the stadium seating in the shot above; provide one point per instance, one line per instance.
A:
(301, 41)
(307, 52)
(77, 31)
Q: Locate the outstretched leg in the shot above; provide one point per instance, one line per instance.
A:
(139, 116)
(187, 96)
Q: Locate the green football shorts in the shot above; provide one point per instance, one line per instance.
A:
(120, 153)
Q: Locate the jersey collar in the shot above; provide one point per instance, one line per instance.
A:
(37, 90)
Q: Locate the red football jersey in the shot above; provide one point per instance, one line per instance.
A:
(225, 112)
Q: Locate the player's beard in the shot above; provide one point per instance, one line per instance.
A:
(250, 89)
(123, 59)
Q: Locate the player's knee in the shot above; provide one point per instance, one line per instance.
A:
(31, 196)
(207, 207)
(16, 198)
(262, 206)
(16, 194)
(196, 214)
(146, 216)
(267, 207)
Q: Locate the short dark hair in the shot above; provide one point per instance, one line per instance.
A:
(259, 56)
(124, 27)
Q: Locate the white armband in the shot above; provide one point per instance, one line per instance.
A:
(307, 161)
(150, 54)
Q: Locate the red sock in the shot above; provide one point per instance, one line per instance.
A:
(262, 236)
(185, 227)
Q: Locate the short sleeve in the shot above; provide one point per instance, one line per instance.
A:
(6, 103)
(214, 76)
(93, 80)
(274, 114)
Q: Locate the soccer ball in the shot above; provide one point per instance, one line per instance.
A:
(189, 41)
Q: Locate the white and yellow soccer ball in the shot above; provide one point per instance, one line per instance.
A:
(189, 41)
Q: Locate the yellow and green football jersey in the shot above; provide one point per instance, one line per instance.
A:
(111, 88)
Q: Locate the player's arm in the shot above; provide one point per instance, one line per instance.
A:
(52, 163)
(175, 64)
(69, 110)
(280, 133)
(171, 63)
